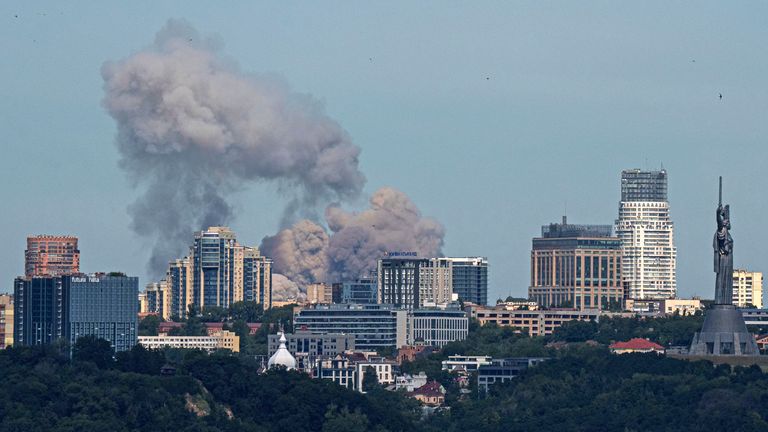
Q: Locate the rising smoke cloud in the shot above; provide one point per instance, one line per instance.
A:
(193, 128)
(305, 253)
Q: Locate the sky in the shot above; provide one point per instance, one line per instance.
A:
(494, 117)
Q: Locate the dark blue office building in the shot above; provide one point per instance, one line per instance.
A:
(70, 307)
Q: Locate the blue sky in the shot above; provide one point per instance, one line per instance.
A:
(490, 115)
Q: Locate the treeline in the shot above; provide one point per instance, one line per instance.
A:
(588, 389)
(44, 391)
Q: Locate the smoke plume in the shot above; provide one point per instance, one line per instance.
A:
(284, 289)
(305, 253)
(192, 128)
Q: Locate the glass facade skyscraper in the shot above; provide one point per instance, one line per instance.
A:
(103, 306)
(69, 307)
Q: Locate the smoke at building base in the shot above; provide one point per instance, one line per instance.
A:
(192, 128)
(306, 253)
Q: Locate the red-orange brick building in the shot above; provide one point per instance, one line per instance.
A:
(48, 255)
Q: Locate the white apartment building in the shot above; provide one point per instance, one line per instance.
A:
(220, 340)
(646, 231)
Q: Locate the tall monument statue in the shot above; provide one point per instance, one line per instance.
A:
(724, 331)
(723, 245)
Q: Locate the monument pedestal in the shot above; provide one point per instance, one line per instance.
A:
(724, 333)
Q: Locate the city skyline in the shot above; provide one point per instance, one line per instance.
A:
(651, 102)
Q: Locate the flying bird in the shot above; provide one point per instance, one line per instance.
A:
(721, 96)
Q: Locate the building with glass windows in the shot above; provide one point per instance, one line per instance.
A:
(576, 266)
(48, 255)
(69, 307)
(179, 285)
(101, 305)
(362, 291)
(649, 257)
(398, 282)
(38, 310)
(218, 272)
(470, 279)
(747, 288)
(374, 326)
(437, 326)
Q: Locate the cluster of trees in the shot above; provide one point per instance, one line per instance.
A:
(668, 331)
(587, 388)
(44, 390)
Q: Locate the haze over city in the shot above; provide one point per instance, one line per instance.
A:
(493, 120)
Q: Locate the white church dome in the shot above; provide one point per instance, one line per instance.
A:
(282, 357)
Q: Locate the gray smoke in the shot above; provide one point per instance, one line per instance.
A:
(284, 289)
(305, 253)
(193, 128)
(299, 252)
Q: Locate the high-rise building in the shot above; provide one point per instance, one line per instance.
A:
(470, 279)
(69, 307)
(436, 282)
(398, 282)
(576, 266)
(103, 306)
(160, 299)
(38, 310)
(649, 258)
(218, 272)
(213, 261)
(179, 285)
(411, 283)
(747, 288)
(48, 255)
(257, 277)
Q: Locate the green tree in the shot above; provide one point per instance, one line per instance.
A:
(148, 325)
(341, 420)
(92, 349)
(247, 311)
(370, 379)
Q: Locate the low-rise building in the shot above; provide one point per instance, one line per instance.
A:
(531, 322)
(518, 305)
(304, 343)
(338, 369)
(412, 352)
(458, 363)
(755, 317)
(210, 327)
(221, 340)
(437, 326)
(349, 369)
(410, 382)
(382, 367)
(502, 370)
(636, 345)
(682, 307)
(374, 326)
(430, 394)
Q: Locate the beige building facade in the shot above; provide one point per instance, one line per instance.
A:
(747, 288)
